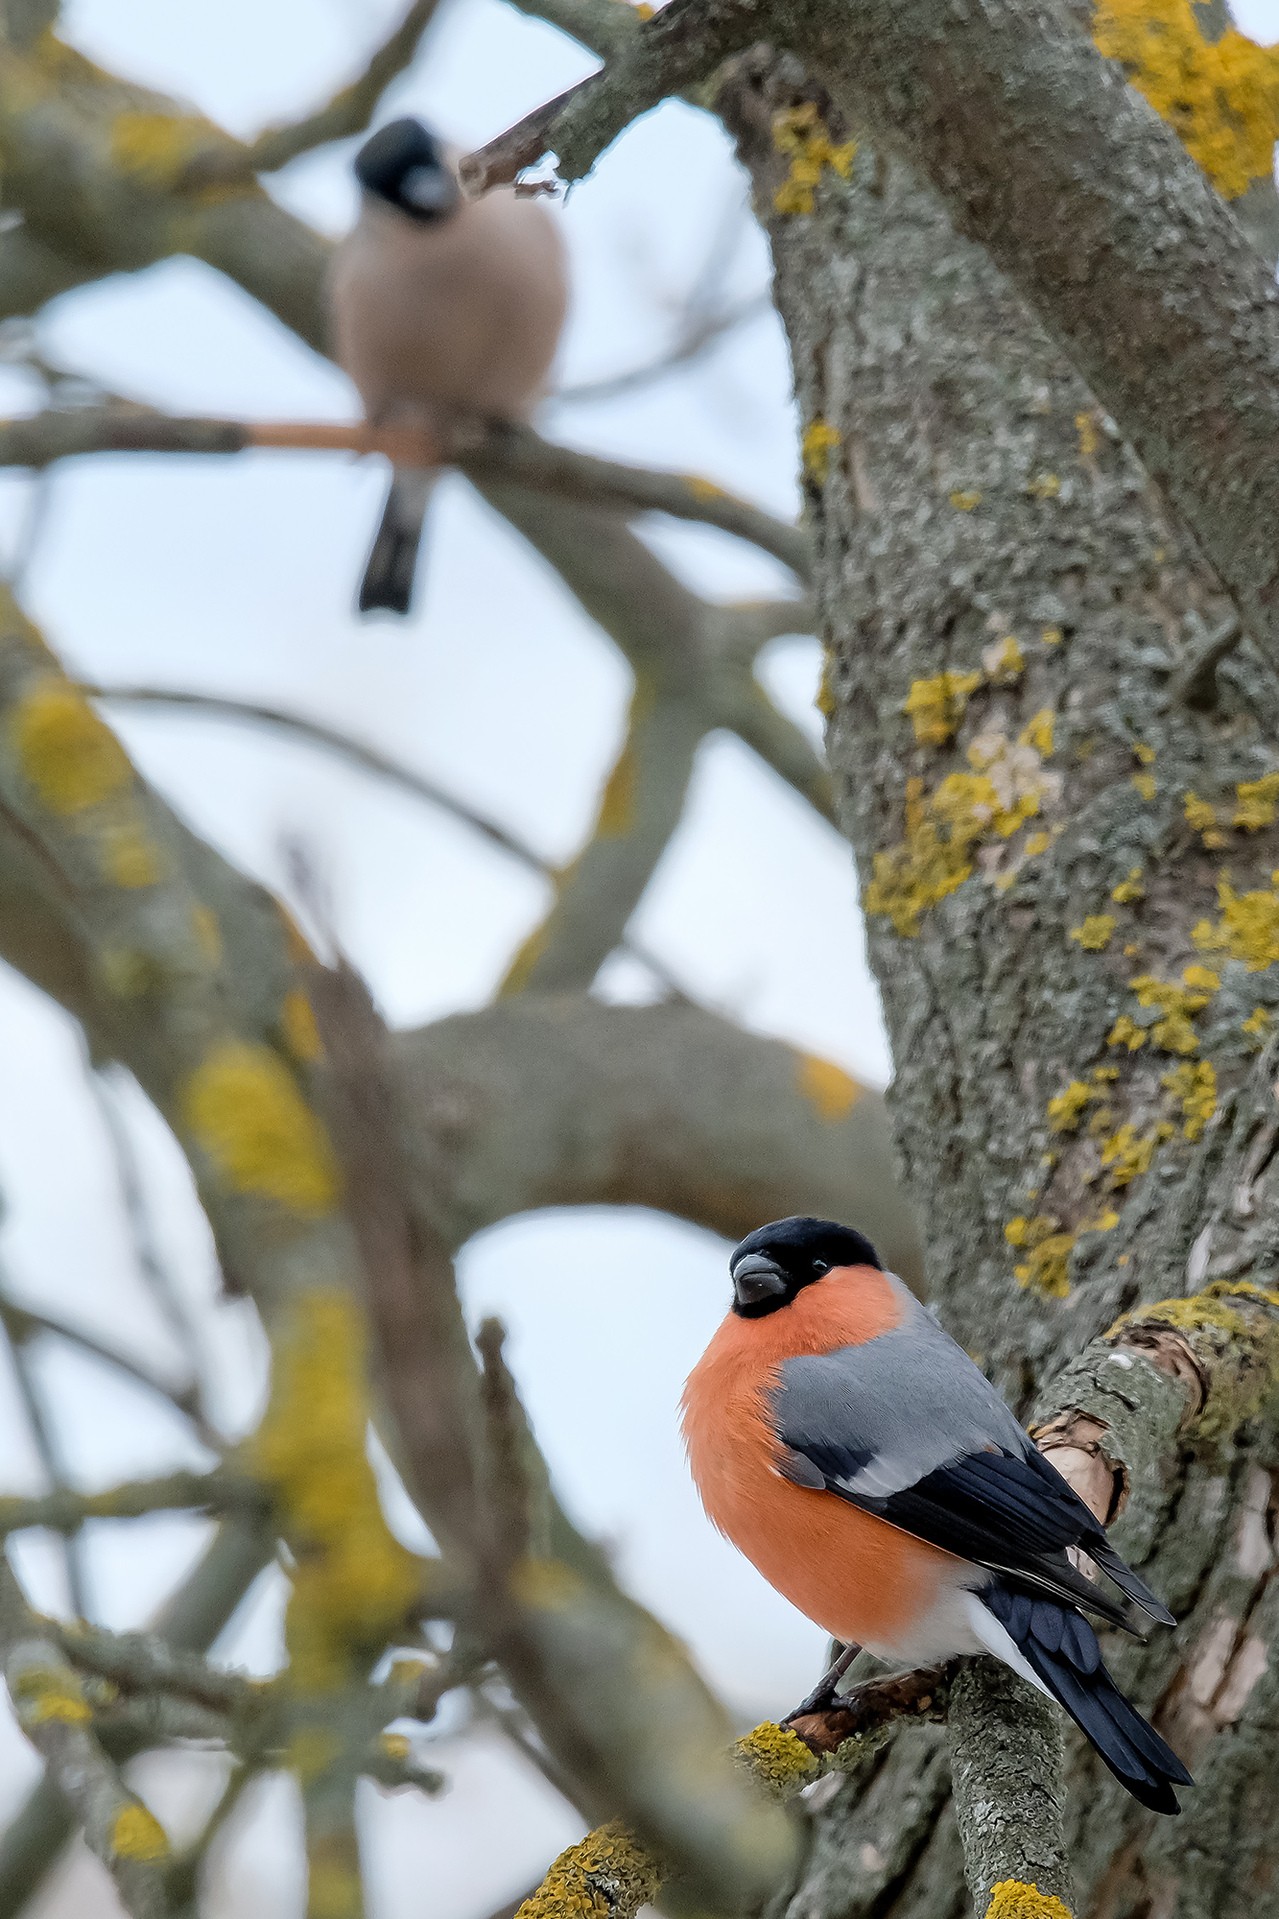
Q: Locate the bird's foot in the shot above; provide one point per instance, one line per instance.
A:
(825, 1693)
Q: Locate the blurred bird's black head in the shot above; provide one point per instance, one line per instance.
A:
(405, 166)
(773, 1263)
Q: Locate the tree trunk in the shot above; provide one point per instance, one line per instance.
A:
(1047, 840)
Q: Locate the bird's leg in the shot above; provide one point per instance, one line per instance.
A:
(825, 1692)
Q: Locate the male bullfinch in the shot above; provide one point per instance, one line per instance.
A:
(872, 1473)
(446, 312)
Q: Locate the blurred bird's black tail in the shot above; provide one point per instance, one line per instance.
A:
(1060, 1648)
(387, 586)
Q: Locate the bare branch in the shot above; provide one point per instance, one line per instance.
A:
(610, 1692)
(63, 1510)
(681, 44)
(22, 1324)
(351, 108)
(670, 1106)
(700, 332)
(371, 760)
(48, 1447)
(506, 454)
(603, 26)
(159, 1281)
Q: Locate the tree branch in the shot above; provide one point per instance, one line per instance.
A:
(562, 1101)
(52, 1711)
(190, 1621)
(63, 1510)
(610, 1870)
(675, 48)
(510, 454)
(1120, 244)
(347, 113)
(614, 1698)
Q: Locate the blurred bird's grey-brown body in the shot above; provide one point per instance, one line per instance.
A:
(446, 312)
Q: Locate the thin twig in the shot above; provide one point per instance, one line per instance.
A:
(370, 760)
(53, 1712)
(699, 334)
(159, 1281)
(47, 1445)
(1195, 684)
(22, 1322)
(352, 107)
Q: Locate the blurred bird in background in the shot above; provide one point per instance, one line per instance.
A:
(872, 1473)
(446, 314)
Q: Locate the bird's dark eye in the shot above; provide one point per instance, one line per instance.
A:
(820, 1266)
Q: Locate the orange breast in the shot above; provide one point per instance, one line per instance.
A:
(854, 1575)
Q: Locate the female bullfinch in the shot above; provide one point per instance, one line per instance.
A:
(446, 312)
(872, 1473)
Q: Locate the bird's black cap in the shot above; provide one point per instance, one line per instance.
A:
(775, 1262)
(405, 165)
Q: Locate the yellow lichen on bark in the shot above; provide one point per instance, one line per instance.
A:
(49, 1695)
(803, 136)
(297, 1023)
(1095, 933)
(827, 1087)
(353, 1583)
(1127, 1154)
(607, 1871)
(1007, 787)
(130, 858)
(246, 1112)
(1248, 928)
(1221, 97)
(1175, 1003)
(1129, 890)
(777, 1758)
(935, 706)
(1193, 1085)
(1013, 1899)
(72, 760)
(1258, 803)
(1046, 1266)
(818, 443)
(137, 1834)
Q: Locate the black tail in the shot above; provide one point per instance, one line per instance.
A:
(1061, 1649)
(387, 586)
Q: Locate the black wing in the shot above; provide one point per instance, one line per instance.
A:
(1016, 1515)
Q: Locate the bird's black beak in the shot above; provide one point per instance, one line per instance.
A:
(756, 1278)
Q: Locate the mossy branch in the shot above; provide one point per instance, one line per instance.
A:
(52, 1710)
(611, 1867)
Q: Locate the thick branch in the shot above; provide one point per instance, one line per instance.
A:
(1118, 241)
(562, 1101)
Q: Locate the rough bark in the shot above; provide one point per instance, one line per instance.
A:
(973, 492)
